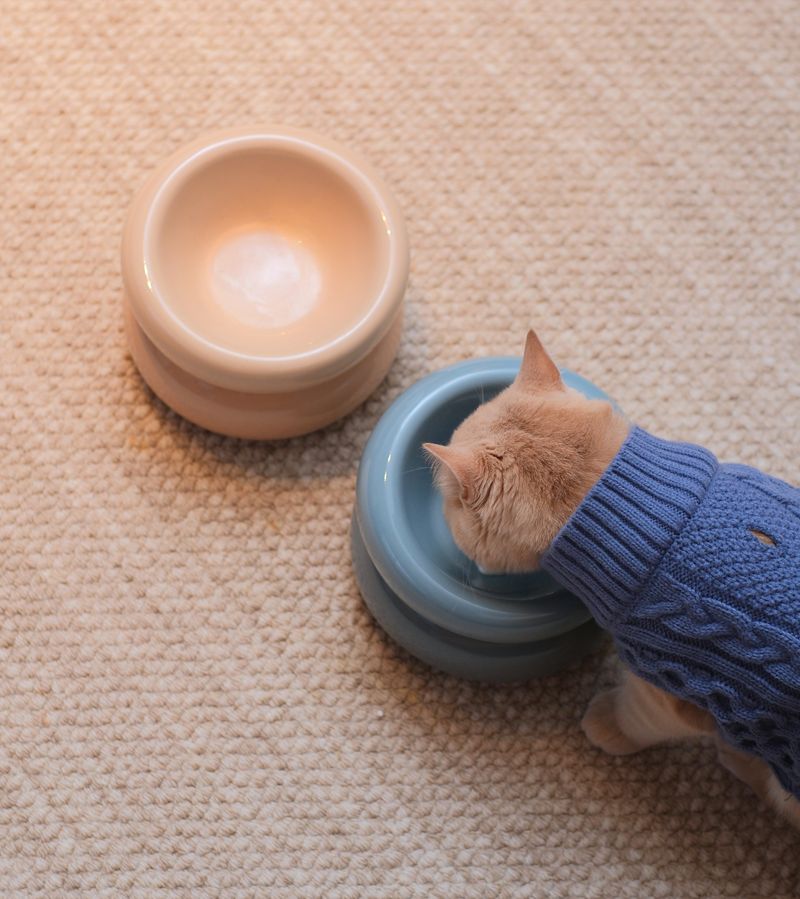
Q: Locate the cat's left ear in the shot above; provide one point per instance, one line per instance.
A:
(461, 462)
(538, 371)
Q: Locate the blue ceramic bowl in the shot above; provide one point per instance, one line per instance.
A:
(419, 586)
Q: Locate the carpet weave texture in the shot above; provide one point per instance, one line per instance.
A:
(193, 699)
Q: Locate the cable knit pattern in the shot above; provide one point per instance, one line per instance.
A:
(664, 552)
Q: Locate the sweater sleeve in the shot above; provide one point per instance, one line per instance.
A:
(618, 535)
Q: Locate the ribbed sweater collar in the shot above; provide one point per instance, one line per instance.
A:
(620, 532)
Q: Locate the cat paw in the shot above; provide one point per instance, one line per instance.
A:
(749, 769)
(757, 774)
(601, 726)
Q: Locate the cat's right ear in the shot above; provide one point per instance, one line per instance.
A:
(460, 462)
(538, 371)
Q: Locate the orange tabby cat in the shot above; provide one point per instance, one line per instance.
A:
(513, 474)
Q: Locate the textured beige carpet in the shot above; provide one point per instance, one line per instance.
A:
(190, 687)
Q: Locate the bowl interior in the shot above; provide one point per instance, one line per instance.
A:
(422, 503)
(266, 251)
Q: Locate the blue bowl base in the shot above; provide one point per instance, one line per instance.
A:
(461, 656)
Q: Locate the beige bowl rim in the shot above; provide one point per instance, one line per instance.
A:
(215, 363)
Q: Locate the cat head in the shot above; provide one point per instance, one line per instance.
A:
(518, 467)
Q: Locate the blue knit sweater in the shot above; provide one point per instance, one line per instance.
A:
(662, 552)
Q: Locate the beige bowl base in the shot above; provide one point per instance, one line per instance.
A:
(259, 416)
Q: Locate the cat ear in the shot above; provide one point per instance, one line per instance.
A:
(538, 371)
(461, 462)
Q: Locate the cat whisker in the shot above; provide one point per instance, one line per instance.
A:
(419, 468)
(467, 581)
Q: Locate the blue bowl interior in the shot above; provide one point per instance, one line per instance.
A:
(423, 505)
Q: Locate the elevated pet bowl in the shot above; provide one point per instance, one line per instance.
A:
(420, 587)
(264, 273)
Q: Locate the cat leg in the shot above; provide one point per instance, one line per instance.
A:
(757, 774)
(636, 715)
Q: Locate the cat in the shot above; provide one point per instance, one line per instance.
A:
(538, 475)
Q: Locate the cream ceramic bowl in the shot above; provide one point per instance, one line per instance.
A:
(264, 273)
